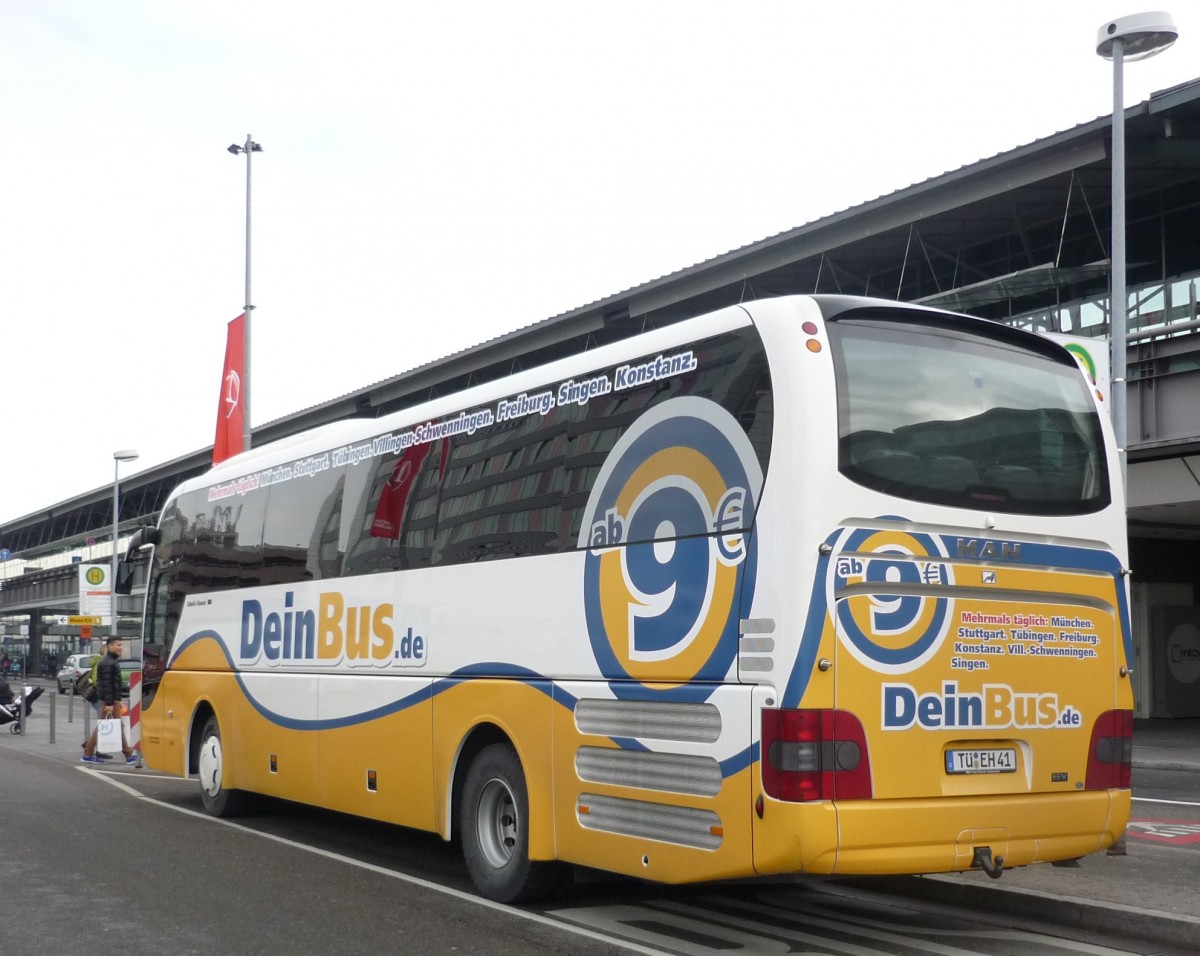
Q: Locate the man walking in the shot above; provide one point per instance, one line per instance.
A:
(108, 686)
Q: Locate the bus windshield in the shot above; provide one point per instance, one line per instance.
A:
(934, 414)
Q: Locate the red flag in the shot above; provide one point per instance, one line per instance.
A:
(230, 420)
(393, 497)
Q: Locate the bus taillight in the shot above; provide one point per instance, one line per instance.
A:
(1110, 753)
(814, 755)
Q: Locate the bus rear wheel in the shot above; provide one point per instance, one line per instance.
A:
(495, 830)
(218, 800)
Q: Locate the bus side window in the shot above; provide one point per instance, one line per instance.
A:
(301, 526)
(224, 539)
(760, 420)
(503, 491)
(389, 511)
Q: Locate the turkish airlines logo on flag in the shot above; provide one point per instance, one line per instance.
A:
(233, 392)
(395, 494)
(230, 418)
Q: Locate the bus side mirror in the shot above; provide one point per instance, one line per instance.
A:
(125, 575)
(143, 538)
(126, 568)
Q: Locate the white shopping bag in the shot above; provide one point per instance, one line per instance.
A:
(108, 736)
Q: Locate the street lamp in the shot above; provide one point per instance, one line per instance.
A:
(249, 149)
(125, 454)
(1134, 37)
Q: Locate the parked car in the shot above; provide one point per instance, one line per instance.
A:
(76, 665)
(128, 666)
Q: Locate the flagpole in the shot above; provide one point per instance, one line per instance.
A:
(249, 148)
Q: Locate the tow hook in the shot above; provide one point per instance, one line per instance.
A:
(983, 860)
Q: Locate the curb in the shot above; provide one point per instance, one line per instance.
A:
(1154, 763)
(1130, 923)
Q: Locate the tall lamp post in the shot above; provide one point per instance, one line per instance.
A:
(249, 149)
(1135, 37)
(125, 454)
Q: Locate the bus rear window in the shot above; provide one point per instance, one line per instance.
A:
(934, 413)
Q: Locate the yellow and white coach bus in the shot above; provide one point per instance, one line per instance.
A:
(806, 585)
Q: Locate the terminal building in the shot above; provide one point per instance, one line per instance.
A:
(1022, 237)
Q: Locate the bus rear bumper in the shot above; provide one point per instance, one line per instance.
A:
(938, 835)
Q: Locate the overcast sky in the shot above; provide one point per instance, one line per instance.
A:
(437, 174)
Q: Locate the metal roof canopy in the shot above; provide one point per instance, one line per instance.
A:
(1015, 285)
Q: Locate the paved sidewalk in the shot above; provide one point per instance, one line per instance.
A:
(1151, 894)
(1167, 744)
(70, 720)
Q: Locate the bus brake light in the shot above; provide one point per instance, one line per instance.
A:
(1110, 752)
(814, 755)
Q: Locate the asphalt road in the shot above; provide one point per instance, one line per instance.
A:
(123, 859)
(1166, 817)
(89, 864)
(1176, 785)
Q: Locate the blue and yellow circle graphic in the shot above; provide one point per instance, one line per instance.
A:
(670, 555)
(884, 586)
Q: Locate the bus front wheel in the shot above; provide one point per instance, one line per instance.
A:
(495, 830)
(218, 800)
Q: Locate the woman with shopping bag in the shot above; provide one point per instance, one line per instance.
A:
(109, 734)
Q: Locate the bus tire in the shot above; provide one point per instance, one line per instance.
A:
(218, 800)
(494, 815)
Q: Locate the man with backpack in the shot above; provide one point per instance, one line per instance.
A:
(108, 689)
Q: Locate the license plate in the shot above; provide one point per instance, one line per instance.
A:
(982, 760)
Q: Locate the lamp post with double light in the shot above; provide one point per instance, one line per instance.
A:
(124, 454)
(249, 149)
(1135, 37)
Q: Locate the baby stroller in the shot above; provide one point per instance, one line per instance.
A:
(10, 713)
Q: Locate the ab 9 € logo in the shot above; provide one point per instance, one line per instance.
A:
(889, 591)
(670, 559)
